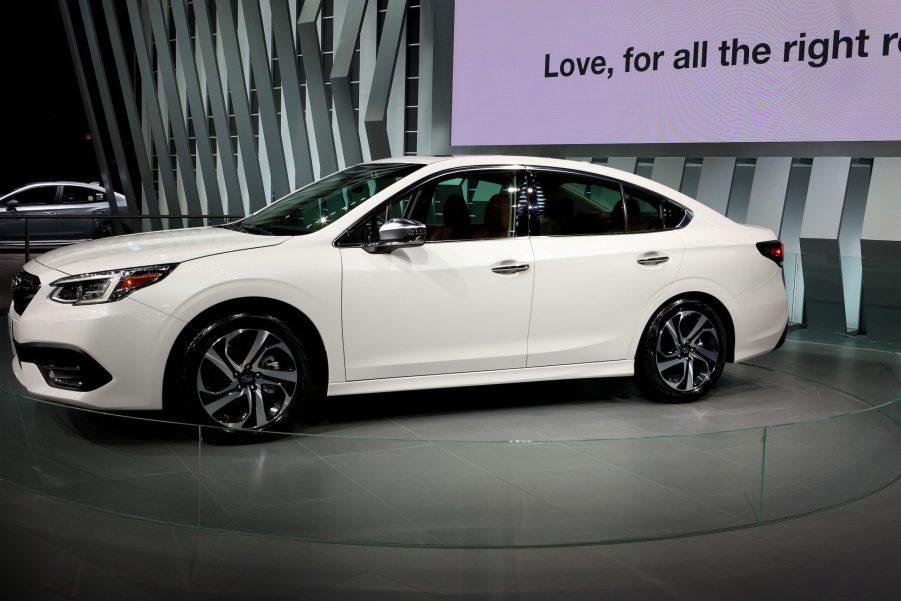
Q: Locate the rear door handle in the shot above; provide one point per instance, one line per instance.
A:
(510, 268)
(657, 260)
(49, 213)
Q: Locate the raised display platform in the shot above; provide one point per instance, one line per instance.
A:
(810, 427)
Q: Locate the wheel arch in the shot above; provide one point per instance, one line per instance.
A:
(293, 317)
(715, 303)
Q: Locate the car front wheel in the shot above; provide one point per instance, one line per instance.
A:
(104, 230)
(682, 352)
(245, 372)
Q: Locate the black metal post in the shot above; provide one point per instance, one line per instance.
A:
(27, 242)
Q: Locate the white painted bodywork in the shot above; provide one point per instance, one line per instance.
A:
(435, 309)
(432, 316)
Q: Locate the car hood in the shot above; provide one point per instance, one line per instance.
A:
(151, 248)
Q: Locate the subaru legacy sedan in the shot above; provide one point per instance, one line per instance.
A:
(402, 274)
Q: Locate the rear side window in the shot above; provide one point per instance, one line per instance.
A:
(576, 204)
(80, 195)
(648, 212)
(573, 205)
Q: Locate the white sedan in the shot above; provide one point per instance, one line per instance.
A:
(402, 274)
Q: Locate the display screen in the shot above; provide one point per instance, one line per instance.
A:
(640, 71)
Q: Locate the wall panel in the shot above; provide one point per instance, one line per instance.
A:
(715, 184)
(820, 255)
(668, 171)
(880, 247)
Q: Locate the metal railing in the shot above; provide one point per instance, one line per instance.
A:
(100, 220)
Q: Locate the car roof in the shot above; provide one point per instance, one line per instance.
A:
(93, 185)
(64, 183)
(413, 159)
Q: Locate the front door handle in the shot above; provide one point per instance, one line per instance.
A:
(49, 213)
(510, 268)
(656, 260)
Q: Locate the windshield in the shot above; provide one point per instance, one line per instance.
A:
(315, 206)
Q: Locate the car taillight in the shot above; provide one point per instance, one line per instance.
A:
(772, 250)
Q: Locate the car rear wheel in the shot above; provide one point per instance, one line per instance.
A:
(682, 352)
(245, 373)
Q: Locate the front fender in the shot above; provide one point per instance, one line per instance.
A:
(308, 280)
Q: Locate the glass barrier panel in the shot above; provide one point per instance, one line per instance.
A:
(483, 494)
(794, 286)
(129, 466)
(816, 465)
(664, 486)
(450, 493)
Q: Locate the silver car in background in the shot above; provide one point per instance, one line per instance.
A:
(63, 200)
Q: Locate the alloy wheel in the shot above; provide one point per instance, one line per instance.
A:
(247, 379)
(687, 351)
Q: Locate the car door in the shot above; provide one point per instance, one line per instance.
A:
(458, 303)
(38, 200)
(78, 211)
(602, 254)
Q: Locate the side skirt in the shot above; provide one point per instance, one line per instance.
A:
(602, 369)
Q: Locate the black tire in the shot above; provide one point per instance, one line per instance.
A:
(104, 230)
(682, 352)
(263, 394)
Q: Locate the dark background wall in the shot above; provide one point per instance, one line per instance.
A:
(44, 130)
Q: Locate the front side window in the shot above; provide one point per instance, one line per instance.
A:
(39, 195)
(476, 205)
(315, 206)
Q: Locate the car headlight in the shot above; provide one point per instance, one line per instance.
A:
(107, 286)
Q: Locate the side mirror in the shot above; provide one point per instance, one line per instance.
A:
(11, 204)
(397, 233)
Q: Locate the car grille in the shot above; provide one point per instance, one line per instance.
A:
(23, 286)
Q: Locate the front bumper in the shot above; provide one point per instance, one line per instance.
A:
(124, 346)
(64, 367)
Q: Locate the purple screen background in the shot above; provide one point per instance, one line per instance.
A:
(501, 96)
